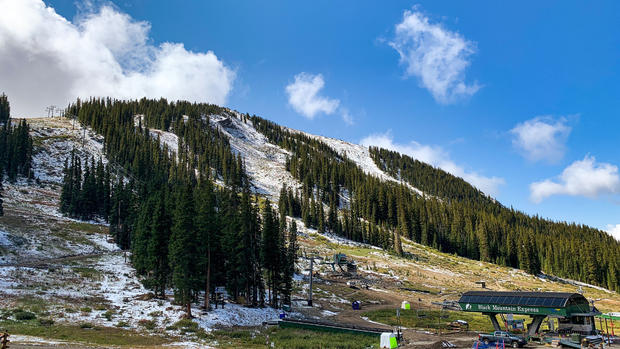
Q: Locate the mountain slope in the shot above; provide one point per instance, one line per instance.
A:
(377, 195)
(72, 268)
(265, 162)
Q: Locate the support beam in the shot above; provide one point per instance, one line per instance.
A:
(534, 326)
(496, 325)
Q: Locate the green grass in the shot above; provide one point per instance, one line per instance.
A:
(87, 227)
(420, 288)
(429, 318)
(34, 304)
(88, 273)
(292, 338)
(85, 334)
(38, 141)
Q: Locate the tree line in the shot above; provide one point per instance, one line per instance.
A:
(15, 147)
(85, 189)
(16, 150)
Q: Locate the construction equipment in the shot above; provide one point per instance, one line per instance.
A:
(459, 325)
(341, 260)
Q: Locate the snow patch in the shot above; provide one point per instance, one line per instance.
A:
(265, 162)
(236, 315)
(54, 140)
(170, 139)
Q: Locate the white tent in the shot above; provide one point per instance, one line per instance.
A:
(388, 340)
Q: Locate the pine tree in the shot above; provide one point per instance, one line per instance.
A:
(183, 250)
(483, 242)
(591, 266)
(67, 190)
(398, 247)
(140, 256)
(270, 251)
(206, 226)
(233, 243)
(291, 259)
(158, 243)
(5, 109)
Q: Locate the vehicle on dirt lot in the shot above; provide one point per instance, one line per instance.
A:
(503, 337)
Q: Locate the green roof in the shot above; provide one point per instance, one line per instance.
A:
(531, 303)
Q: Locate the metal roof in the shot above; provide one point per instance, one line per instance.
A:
(535, 299)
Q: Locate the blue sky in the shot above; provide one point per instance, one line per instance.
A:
(505, 94)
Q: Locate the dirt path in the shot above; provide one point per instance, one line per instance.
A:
(45, 262)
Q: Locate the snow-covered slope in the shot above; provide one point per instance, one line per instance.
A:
(360, 155)
(58, 137)
(265, 162)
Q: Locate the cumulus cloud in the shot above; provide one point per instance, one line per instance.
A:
(541, 138)
(614, 230)
(437, 56)
(303, 96)
(436, 156)
(47, 59)
(581, 178)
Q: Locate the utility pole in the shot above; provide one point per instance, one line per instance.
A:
(310, 290)
(311, 258)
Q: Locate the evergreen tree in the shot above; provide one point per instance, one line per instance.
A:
(157, 248)
(5, 109)
(184, 250)
(291, 259)
(270, 253)
(398, 247)
(207, 227)
(483, 240)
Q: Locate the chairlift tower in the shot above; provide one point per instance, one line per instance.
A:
(311, 259)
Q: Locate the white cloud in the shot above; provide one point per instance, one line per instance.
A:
(303, 96)
(47, 59)
(541, 138)
(436, 156)
(614, 230)
(437, 56)
(581, 178)
(346, 116)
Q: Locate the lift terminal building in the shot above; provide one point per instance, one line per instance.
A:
(572, 310)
